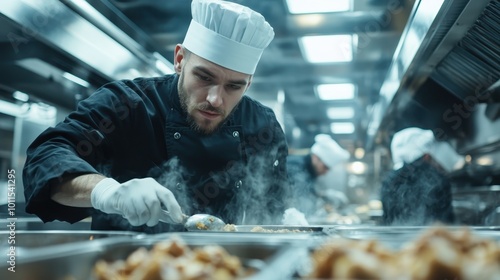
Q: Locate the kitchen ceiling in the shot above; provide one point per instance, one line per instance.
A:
(45, 45)
(284, 79)
(411, 62)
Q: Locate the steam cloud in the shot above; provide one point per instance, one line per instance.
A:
(255, 201)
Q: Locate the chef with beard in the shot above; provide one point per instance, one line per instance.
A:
(139, 151)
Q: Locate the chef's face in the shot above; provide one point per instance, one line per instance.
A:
(319, 166)
(208, 92)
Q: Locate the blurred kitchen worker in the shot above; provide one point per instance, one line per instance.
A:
(304, 170)
(190, 142)
(417, 191)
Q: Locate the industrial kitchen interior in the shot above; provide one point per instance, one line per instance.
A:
(377, 68)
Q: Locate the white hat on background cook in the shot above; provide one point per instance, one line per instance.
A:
(328, 150)
(228, 34)
(412, 143)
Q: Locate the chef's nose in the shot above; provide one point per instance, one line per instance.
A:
(214, 96)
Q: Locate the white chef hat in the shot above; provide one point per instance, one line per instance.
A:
(412, 143)
(328, 150)
(228, 34)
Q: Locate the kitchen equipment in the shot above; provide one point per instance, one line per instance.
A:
(474, 205)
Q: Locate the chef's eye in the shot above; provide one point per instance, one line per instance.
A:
(234, 87)
(203, 78)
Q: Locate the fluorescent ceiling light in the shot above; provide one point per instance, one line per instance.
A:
(310, 21)
(75, 79)
(335, 91)
(11, 109)
(21, 96)
(328, 48)
(317, 6)
(342, 128)
(340, 113)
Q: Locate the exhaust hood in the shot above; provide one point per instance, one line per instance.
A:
(448, 56)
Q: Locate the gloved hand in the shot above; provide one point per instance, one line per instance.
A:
(137, 200)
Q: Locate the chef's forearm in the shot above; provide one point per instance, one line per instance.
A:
(76, 191)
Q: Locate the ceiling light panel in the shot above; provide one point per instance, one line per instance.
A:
(318, 6)
(342, 127)
(327, 48)
(340, 113)
(336, 91)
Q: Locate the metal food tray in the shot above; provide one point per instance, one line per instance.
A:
(29, 242)
(42, 238)
(393, 237)
(269, 258)
(280, 229)
(34, 223)
(275, 229)
(398, 234)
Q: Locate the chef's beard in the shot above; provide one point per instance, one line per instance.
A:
(184, 100)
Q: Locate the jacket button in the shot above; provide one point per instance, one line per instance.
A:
(177, 135)
(238, 184)
(236, 134)
(276, 163)
(178, 186)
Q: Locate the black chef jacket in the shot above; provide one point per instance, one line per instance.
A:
(417, 194)
(136, 128)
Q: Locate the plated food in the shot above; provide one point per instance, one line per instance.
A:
(437, 253)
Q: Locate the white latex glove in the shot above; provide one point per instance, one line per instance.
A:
(138, 200)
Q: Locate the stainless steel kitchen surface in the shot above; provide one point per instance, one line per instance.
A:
(30, 242)
(269, 258)
(75, 255)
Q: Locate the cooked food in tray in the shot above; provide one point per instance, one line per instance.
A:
(173, 259)
(229, 227)
(437, 253)
(283, 230)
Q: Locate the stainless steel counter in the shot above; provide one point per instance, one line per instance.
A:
(73, 254)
